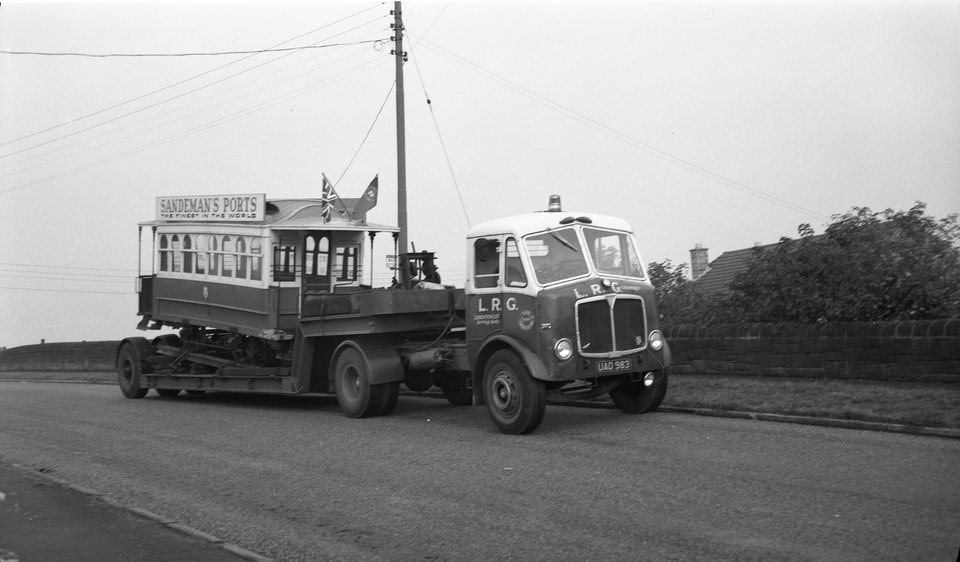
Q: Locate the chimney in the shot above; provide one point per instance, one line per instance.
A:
(699, 261)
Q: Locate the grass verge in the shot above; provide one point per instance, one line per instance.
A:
(906, 403)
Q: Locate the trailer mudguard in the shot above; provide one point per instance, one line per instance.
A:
(140, 345)
(384, 364)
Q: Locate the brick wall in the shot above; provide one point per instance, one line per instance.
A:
(922, 350)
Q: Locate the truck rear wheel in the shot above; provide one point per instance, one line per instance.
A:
(129, 369)
(357, 397)
(635, 398)
(515, 401)
(385, 396)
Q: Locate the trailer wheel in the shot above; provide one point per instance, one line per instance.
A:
(515, 401)
(357, 397)
(129, 369)
(635, 398)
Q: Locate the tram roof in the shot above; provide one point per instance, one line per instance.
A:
(295, 214)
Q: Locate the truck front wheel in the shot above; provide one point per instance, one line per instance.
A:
(357, 397)
(129, 369)
(635, 398)
(515, 401)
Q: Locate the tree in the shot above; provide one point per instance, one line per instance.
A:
(678, 301)
(666, 278)
(892, 265)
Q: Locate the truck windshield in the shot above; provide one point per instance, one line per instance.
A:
(613, 253)
(556, 256)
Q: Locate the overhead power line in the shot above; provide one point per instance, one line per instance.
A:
(277, 45)
(207, 54)
(63, 267)
(70, 291)
(46, 158)
(619, 135)
(215, 123)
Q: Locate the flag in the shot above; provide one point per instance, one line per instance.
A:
(329, 199)
(368, 201)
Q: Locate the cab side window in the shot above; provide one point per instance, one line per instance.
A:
(515, 275)
(486, 269)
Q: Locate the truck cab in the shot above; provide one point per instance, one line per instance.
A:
(560, 307)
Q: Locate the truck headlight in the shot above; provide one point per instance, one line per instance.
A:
(563, 349)
(656, 340)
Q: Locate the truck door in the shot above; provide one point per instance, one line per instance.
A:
(500, 298)
(484, 297)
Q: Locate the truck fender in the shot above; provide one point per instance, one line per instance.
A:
(383, 361)
(537, 369)
(140, 345)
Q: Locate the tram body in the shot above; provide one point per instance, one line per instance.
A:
(274, 296)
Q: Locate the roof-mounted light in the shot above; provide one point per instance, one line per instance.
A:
(554, 206)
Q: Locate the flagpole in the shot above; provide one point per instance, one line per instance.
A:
(401, 148)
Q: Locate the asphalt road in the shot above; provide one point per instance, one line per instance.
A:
(293, 479)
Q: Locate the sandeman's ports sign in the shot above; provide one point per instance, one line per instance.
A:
(216, 208)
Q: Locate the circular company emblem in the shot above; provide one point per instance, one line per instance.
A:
(526, 319)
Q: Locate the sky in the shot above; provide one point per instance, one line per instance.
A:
(716, 123)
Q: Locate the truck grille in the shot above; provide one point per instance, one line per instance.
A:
(611, 326)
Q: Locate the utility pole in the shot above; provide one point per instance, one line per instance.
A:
(400, 57)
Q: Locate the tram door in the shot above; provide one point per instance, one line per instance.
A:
(316, 262)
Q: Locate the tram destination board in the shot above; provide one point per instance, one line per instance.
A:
(215, 208)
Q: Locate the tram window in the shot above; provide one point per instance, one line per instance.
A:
(228, 257)
(164, 256)
(284, 263)
(187, 254)
(345, 265)
(256, 261)
(201, 255)
(177, 254)
(486, 263)
(214, 257)
(323, 256)
(316, 256)
(310, 256)
(241, 258)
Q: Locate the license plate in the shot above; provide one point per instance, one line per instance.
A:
(614, 366)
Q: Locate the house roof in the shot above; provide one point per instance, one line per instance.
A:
(725, 268)
(722, 271)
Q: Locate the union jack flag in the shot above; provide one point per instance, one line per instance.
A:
(329, 200)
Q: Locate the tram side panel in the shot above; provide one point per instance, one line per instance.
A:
(255, 311)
